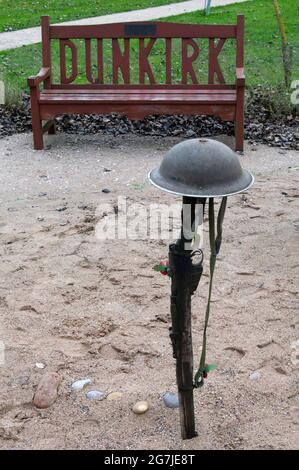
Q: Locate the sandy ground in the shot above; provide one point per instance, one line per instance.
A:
(88, 308)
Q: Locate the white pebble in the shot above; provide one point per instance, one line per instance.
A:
(80, 384)
(95, 395)
(40, 365)
(255, 375)
(171, 400)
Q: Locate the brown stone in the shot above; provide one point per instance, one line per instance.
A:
(46, 392)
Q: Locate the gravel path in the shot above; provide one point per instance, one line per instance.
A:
(24, 37)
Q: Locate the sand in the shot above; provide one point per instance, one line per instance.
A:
(92, 309)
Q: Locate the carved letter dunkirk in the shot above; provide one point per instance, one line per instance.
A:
(187, 61)
(63, 43)
(214, 67)
(144, 66)
(121, 61)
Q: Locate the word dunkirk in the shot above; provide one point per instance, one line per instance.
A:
(121, 61)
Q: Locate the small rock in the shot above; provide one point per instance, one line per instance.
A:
(190, 133)
(140, 407)
(61, 209)
(95, 395)
(40, 219)
(106, 190)
(46, 392)
(171, 400)
(84, 409)
(255, 375)
(80, 384)
(40, 365)
(114, 396)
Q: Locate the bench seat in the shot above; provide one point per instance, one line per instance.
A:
(143, 101)
(138, 69)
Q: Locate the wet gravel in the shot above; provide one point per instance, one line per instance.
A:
(280, 132)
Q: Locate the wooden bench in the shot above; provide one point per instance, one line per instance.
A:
(187, 97)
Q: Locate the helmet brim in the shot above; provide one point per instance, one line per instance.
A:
(244, 182)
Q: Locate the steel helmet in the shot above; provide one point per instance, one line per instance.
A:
(201, 168)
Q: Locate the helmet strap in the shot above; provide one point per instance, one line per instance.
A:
(215, 244)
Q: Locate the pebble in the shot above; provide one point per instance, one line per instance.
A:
(171, 400)
(84, 409)
(106, 190)
(47, 390)
(114, 396)
(140, 407)
(80, 384)
(95, 395)
(40, 365)
(255, 375)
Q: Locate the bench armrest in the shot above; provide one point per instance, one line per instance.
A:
(240, 76)
(40, 77)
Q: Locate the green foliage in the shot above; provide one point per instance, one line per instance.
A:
(262, 38)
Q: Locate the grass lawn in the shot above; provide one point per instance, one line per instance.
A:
(18, 14)
(263, 49)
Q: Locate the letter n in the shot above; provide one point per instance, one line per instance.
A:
(121, 61)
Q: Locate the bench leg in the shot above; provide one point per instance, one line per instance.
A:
(52, 128)
(239, 123)
(239, 135)
(37, 128)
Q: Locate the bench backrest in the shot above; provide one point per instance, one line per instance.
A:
(141, 36)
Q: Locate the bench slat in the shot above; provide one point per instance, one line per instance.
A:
(138, 98)
(162, 30)
(122, 88)
(140, 91)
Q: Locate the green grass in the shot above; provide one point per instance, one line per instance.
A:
(263, 49)
(262, 40)
(18, 14)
